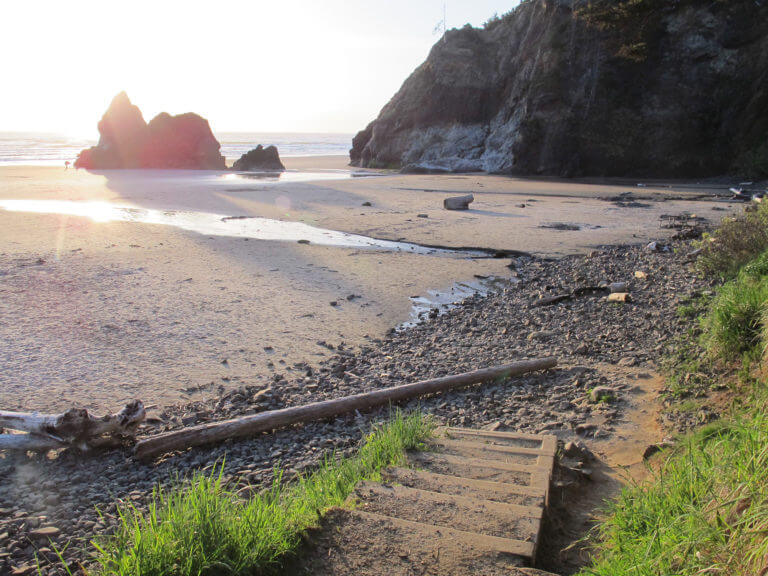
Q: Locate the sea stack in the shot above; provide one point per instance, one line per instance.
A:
(586, 88)
(184, 141)
(260, 158)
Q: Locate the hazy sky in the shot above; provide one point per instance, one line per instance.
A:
(258, 65)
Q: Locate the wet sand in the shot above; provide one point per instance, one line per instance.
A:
(94, 313)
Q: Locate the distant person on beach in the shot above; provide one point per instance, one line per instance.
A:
(66, 164)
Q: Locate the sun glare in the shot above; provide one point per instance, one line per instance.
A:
(96, 211)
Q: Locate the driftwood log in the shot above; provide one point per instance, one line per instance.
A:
(458, 202)
(267, 421)
(75, 427)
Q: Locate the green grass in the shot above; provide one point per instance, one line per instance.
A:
(705, 511)
(734, 324)
(203, 528)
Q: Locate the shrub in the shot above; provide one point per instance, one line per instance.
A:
(735, 243)
(734, 324)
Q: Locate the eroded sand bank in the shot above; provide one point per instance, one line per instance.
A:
(96, 312)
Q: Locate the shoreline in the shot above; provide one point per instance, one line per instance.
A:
(228, 311)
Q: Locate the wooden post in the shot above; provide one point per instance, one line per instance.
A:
(267, 421)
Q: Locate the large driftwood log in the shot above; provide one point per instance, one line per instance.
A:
(267, 421)
(75, 427)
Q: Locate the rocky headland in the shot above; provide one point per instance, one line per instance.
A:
(126, 140)
(577, 88)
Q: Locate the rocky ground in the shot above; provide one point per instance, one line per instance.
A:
(48, 502)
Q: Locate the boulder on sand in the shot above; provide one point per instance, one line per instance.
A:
(260, 158)
(127, 141)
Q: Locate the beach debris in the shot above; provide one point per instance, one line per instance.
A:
(550, 300)
(271, 420)
(580, 291)
(367, 204)
(619, 297)
(422, 215)
(74, 428)
(618, 287)
(640, 275)
(656, 246)
(458, 202)
(564, 226)
(740, 195)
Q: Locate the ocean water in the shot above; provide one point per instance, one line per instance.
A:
(34, 148)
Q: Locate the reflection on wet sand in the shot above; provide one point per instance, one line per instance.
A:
(220, 225)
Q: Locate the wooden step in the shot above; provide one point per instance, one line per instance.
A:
(478, 543)
(483, 489)
(547, 443)
(355, 542)
(483, 469)
(451, 511)
(525, 456)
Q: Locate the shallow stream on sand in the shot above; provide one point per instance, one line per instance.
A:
(233, 226)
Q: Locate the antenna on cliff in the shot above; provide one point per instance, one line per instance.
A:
(441, 26)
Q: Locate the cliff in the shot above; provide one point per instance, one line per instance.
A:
(127, 141)
(666, 88)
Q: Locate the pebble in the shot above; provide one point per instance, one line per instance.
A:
(45, 532)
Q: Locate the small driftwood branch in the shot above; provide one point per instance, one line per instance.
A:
(29, 442)
(75, 427)
(582, 291)
(267, 421)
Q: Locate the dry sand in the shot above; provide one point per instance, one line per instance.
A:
(96, 313)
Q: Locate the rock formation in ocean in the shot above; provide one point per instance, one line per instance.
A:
(668, 88)
(260, 158)
(127, 141)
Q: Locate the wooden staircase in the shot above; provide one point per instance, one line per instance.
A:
(473, 503)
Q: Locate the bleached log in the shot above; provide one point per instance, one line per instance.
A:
(458, 202)
(267, 421)
(75, 427)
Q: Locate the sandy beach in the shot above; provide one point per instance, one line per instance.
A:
(94, 312)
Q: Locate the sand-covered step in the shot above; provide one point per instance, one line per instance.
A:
(482, 489)
(485, 517)
(360, 543)
(472, 449)
(482, 469)
(546, 443)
